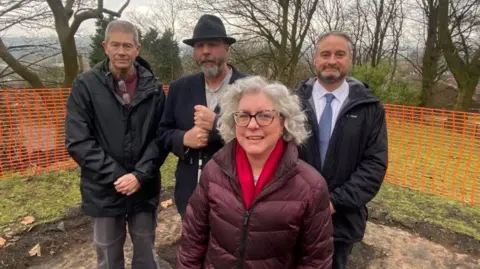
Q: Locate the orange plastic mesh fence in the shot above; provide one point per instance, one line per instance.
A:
(32, 131)
(435, 151)
(431, 150)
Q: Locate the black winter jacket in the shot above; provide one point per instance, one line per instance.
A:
(357, 156)
(109, 140)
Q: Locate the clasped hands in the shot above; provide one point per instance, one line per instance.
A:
(197, 137)
(127, 184)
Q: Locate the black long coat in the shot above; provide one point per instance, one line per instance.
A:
(183, 95)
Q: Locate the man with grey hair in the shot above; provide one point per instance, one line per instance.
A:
(113, 113)
(349, 142)
(188, 126)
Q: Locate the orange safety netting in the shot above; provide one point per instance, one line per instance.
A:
(431, 150)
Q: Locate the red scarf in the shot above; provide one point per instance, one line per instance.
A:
(245, 174)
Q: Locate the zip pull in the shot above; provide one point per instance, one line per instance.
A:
(245, 221)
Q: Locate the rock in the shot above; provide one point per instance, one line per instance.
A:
(35, 251)
(61, 227)
(2, 242)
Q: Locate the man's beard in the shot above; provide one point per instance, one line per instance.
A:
(211, 71)
(331, 79)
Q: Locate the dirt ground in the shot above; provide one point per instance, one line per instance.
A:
(386, 245)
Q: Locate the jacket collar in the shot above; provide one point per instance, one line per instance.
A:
(287, 167)
(102, 67)
(358, 90)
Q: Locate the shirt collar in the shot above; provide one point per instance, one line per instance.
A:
(226, 80)
(340, 93)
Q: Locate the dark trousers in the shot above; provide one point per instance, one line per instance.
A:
(109, 235)
(341, 251)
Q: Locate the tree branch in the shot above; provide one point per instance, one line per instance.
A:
(94, 13)
(19, 68)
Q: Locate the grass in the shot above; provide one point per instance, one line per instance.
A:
(48, 196)
(45, 196)
(405, 205)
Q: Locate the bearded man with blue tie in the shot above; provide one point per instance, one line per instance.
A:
(348, 145)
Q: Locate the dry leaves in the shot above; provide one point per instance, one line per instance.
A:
(2, 242)
(166, 203)
(35, 251)
(28, 220)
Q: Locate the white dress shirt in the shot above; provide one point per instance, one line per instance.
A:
(319, 100)
(213, 96)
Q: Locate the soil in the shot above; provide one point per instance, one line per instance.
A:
(51, 239)
(458, 242)
(387, 244)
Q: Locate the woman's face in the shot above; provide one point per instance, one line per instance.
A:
(257, 135)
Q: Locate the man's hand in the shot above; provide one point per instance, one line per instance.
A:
(196, 138)
(332, 209)
(127, 184)
(204, 117)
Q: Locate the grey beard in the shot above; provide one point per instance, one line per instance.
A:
(211, 72)
(330, 79)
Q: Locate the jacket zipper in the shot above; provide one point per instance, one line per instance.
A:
(243, 247)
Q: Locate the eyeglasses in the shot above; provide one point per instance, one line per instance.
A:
(263, 118)
(123, 88)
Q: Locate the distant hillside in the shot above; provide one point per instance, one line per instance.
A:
(83, 44)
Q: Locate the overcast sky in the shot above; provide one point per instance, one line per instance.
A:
(88, 27)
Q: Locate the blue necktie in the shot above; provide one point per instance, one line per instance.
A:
(325, 126)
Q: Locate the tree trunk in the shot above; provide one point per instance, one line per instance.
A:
(466, 72)
(429, 70)
(70, 59)
(31, 77)
(431, 54)
(464, 95)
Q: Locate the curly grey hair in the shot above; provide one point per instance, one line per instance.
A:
(285, 102)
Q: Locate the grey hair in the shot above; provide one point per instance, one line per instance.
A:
(339, 34)
(122, 26)
(285, 102)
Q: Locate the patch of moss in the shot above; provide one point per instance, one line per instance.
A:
(404, 204)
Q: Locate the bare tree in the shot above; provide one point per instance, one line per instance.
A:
(397, 32)
(67, 17)
(460, 45)
(384, 14)
(33, 58)
(67, 22)
(432, 52)
(331, 15)
(20, 13)
(163, 15)
(282, 24)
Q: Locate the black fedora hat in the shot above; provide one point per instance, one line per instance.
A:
(209, 27)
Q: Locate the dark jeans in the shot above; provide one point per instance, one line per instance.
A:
(109, 235)
(340, 254)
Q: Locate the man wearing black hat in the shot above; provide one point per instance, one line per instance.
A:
(188, 126)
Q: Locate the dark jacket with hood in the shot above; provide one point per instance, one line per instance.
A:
(356, 159)
(109, 140)
(183, 95)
